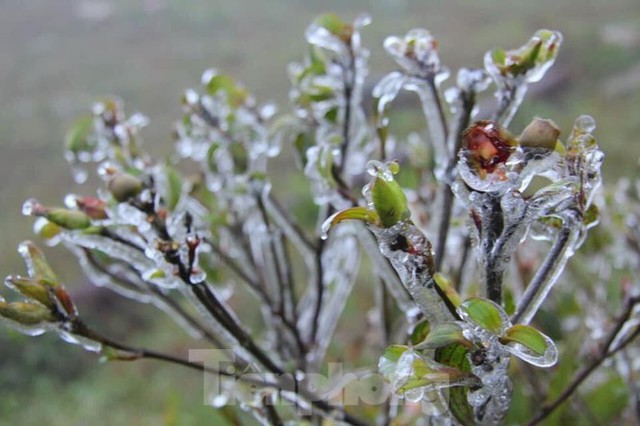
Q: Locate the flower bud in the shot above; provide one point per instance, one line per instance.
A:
(26, 313)
(487, 146)
(68, 219)
(32, 288)
(92, 207)
(540, 133)
(124, 186)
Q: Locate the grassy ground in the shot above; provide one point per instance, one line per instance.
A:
(56, 57)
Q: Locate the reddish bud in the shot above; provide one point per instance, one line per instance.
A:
(92, 207)
(488, 145)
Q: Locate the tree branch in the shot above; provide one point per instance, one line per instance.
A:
(605, 352)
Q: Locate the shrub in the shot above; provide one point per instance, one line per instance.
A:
(463, 232)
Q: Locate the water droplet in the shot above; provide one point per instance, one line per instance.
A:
(31, 207)
(585, 123)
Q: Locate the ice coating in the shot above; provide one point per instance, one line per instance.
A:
(513, 70)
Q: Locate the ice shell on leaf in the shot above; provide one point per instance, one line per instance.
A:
(530, 61)
(530, 345)
(442, 335)
(485, 314)
(416, 52)
(410, 374)
(37, 264)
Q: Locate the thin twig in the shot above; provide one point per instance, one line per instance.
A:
(175, 307)
(284, 383)
(468, 101)
(605, 352)
(542, 274)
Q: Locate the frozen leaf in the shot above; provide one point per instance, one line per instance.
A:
(526, 336)
(174, 187)
(216, 84)
(447, 289)
(420, 332)
(411, 374)
(530, 61)
(78, 138)
(483, 313)
(530, 345)
(442, 335)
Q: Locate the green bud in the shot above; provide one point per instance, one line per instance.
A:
(31, 288)
(26, 313)
(124, 186)
(68, 219)
(45, 229)
(335, 26)
(389, 201)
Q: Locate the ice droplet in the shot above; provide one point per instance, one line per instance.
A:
(585, 123)
(30, 207)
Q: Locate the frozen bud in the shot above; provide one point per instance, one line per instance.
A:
(540, 133)
(124, 186)
(37, 263)
(26, 313)
(530, 61)
(68, 219)
(389, 201)
(93, 207)
(65, 302)
(336, 26)
(487, 146)
(32, 288)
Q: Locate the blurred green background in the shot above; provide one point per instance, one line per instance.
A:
(56, 57)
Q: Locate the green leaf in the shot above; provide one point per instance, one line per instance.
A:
(174, 187)
(420, 332)
(77, 137)
(354, 213)
(483, 313)
(456, 356)
(389, 360)
(334, 25)
(236, 94)
(445, 285)
(526, 336)
(443, 334)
